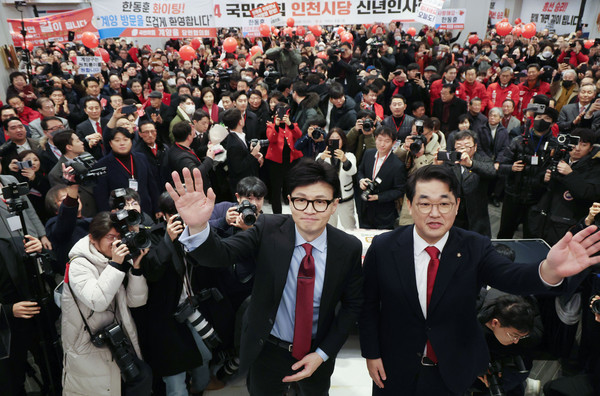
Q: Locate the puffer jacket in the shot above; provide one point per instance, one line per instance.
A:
(102, 298)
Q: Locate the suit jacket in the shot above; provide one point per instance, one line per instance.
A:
(382, 213)
(178, 158)
(493, 148)
(47, 157)
(162, 129)
(9, 152)
(240, 162)
(32, 221)
(392, 324)
(158, 162)
(271, 243)
(251, 128)
(86, 128)
(457, 107)
(569, 112)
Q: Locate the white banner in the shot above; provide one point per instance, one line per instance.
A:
(89, 64)
(154, 18)
(451, 18)
(320, 12)
(496, 11)
(559, 17)
(428, 10)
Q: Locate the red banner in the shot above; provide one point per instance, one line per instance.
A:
(53, 27)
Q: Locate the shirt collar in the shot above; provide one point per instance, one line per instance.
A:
(241, 135)
(420, 244)
(320, 243)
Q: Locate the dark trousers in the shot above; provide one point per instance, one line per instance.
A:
(274, 363)
(427, 382)
(277, 175)
(513, 213)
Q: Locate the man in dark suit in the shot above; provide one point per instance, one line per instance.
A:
(242, 160)
(447, 108)
(305, 268)
(180, 155)
(155, 151)
(91, 130)
(436, 346)
(158, 112)
(379, 210)
(493, 137)
(583, 114)
(92, 89)
(17, 142)
(49, 153)
(240, 101)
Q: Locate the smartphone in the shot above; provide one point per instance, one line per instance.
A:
(333, 145)
(282, 111)
(24, 164)
(129, 109)
(418, 75)
(448, 156)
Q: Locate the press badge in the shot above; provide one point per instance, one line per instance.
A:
(14, 223)
(534, 160)
(133, 184)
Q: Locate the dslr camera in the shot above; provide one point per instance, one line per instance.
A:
(317, 133)
(367, 125)
(419, 140)
(188, 310)
(372, 187)
(123, 219)
(120, 347)
(248, 211)
(496, 367)
(263, 143)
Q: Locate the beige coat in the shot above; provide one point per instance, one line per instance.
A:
(101, 296)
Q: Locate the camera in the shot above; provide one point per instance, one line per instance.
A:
(248, 212)
(334, 51)
(567, 139)
(495, 369)
(317, 133)
(271, 75)
(120, 347)
(372, 187)
(560, 152)
(12, 195)
(367, 125)
(188, 310)
(123, 219)
(24, 164)
(82, 168)
(375, 44)
(263, 143)
(449, 156)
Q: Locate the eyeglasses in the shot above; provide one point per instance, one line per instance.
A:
(443, 207)
(56, 127)
(459, 147)
(147, 131)
(319, 205)
(111, 237)
(516, 338)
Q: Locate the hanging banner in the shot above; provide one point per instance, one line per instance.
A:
(53, 27)
(320, 12)
(156, 18)
(558, 17)
(428, 10)
(451, 18)
(496, 11)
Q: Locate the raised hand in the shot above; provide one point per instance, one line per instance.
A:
(193, 205)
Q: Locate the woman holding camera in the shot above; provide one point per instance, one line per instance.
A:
(281, 153)
(31, 173)
(95, 297)
(345, 163)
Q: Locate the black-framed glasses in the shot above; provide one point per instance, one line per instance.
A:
(319, 205)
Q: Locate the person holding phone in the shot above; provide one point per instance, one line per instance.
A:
(281, 153)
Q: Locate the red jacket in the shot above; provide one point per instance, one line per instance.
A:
(28, 115)
(497, 95)
(436, 90)
(526, 94)
(576, 59)
(475, 90)
(278, 137)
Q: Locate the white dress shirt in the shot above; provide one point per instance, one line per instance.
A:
(242, 137)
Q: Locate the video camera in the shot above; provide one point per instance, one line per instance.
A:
(375, 44)
(271, 75)
(123, 219)
(560, 152)
(13, 194)
(372, 187)
(82, 168)
(248, 211)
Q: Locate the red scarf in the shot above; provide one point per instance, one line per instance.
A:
(398, 86)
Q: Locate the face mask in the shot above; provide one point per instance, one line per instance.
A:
(398, 38)
(541, 125)
(171, 81)
(455, 50)
(546, 54)
(248, 79)
(189, 109)
(465, 54)
(567, 84)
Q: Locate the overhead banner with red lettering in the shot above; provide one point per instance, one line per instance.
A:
(55, 27)
(154, 18)
(559, 17)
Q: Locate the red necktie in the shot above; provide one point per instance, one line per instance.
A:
(154, 150)
(304, 304)
(432, 268)
(98, 128)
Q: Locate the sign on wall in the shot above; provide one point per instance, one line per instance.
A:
(557, 16)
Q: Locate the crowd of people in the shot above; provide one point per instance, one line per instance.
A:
(95, 163)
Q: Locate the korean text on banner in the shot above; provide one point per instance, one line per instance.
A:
(496, 11)
(559, 17)
(451, 18)
(320, 12)
(154, 18)
(89, 64)
(53, 27)
(266, 11)
(428, 10)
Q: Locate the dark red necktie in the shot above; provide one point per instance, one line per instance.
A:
(98, 128)
(432, 268)
(304, 304)
(154, 150)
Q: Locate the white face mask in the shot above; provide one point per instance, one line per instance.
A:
(546, 54)
(171, 81)
(465, 54)
(189, 109)
(398, 38)
(248, 79)
(455, 50)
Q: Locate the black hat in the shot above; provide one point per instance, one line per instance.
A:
(155, 95)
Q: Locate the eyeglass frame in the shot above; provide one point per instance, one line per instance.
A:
(435, 204)
(312, 202)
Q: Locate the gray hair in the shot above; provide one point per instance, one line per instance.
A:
(496, 110)
(507, 69)
(569, 71)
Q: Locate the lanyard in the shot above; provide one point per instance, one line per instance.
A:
(377, 169)
(188, 150)
(124, 167)
(401, 122)
(539, 143)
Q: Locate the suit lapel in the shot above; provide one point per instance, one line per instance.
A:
(283, 250)
(333, 264)
(405, 264)
(451, 260)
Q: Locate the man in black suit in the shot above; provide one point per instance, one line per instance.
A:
(158, 112)
(240, 101)
(379, 210)
(583, 114)
(49, 153)
(436, 346)
(155, 151)
(92, 89)
(305, 268)
(91, 130)
(180, 155)
(242, 160)
(447, 108)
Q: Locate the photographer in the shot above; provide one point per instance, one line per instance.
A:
(287, 58)
(360, 138)
(342, 68)
(95, 292)
(313, 142)
(345, 163)
(399, 120)
(382, 177)
(523, 164)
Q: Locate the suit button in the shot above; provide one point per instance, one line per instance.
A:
(270, 321)
(428, 329)
(261, 341)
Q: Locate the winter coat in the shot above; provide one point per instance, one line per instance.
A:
(102, 297)
(306, 110)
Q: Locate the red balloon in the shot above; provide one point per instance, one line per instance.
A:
(503, 28)
(411, 31)
(230, 44)
(528, 30)
(300, 31)
(256, 49)
(103, 53)
(588, 44)
(290, 22)
(311, 39)
(276, 32)
(504, 20)
(322, 55)
(517, 31)
(473, 39)
(518, 21)
(30, 46)
(187, 52)
(89, 39)
(195, 43)
(264, 30)
(273, 28)
(287, 31)
(347, 37)
(341, 30)
(59, 45)
(316, 30)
